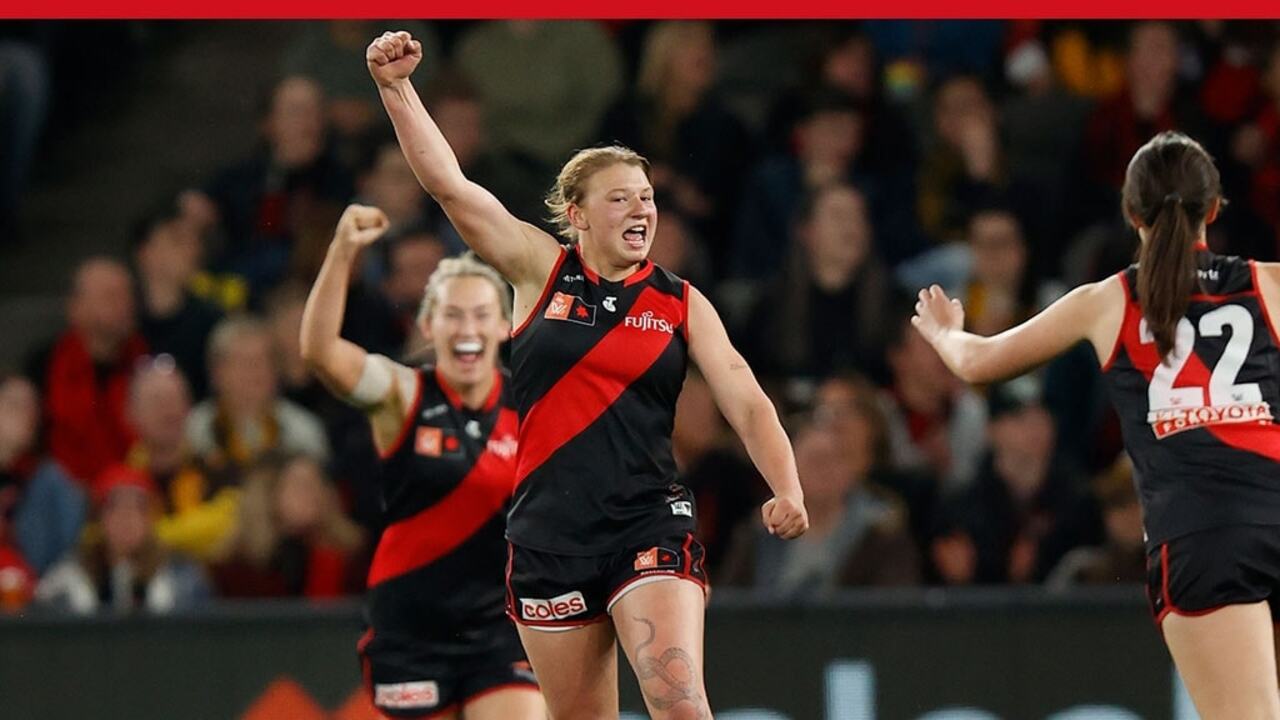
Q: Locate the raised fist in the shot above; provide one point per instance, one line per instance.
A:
(360, 225)
(392, 57)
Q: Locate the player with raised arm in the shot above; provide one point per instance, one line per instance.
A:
(1190, 358)
(602, 543)
(438, 644)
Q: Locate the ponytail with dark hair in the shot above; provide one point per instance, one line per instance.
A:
(1167, 272)
(1170, 188)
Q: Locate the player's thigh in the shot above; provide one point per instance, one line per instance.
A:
(577, 669)
(660, 626)
(1227, 660)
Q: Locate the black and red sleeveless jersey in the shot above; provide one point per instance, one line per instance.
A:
(446, 486)
(1199, 426)
(596, 369)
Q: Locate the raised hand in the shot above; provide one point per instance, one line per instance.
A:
(360, 225)
(937, 314)
(392, 57)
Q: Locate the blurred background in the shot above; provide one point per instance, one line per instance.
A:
(186, 515)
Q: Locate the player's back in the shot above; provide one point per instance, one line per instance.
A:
(1199, 425)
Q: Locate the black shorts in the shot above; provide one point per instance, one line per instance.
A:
(419, 680)
(562, 592)
(1198, 573)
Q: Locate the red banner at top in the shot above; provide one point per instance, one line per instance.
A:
(728, 9)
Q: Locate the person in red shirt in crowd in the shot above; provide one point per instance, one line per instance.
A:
(84, 377)
(293, 539)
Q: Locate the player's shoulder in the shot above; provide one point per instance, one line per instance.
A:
(667, 281)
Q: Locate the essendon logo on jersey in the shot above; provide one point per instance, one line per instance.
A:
(556, 608)
(656, 558)
(429, 442)
(571, 308)
(1172, 421)
(648, 321)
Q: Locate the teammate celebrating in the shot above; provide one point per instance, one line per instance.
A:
(602, 537)
(438, 644)
(1190, 358)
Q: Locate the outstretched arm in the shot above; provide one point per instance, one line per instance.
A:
(751, 414)
(521, 252)
(1091, 312)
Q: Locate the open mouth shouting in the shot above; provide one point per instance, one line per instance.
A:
(636, 235)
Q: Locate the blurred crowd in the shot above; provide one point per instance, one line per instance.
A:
(170, 446)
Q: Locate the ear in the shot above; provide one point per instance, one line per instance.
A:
(577, 219)
(424, 327)
(1213, 211)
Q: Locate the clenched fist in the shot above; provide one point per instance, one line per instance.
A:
(785, 517)
(392, 57)
(360, 225)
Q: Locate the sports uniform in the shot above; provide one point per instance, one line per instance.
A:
(437, 633)
(597, 368)
(1206, 451)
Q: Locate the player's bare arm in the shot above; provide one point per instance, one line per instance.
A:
(751, 414)
(373, 383)
(1091, 312)
(523, 253)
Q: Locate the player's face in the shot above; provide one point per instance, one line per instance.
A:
(466, 328)
(619, 214)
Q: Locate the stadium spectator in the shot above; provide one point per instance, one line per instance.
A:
(246, 417)
(1042, 125)
(826, 313)
(41, 508)
(292, 539)
(411, 258)
(346, 428)
(544, 85)
(827, 142)
(167, 253)
(860, 537)
(937, 424)
(544, 88)
(332, 53)
(964, 166)
(846, 62)
(122, 566)
(699, 151)
(84, 377)
(850, 405)
(286, 190)
(1255, 148)
(1148, 103)
(1024, 511)
(24, 101)
(1122, 555)
(196, 506)
(1002, 290)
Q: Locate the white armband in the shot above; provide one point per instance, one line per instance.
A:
(374, 384)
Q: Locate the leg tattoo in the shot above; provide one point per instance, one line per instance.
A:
(674, 668)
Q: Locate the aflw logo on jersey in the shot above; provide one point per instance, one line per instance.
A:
(646, 321)
(1172, 421)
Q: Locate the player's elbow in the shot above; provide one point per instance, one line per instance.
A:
(313, 351)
